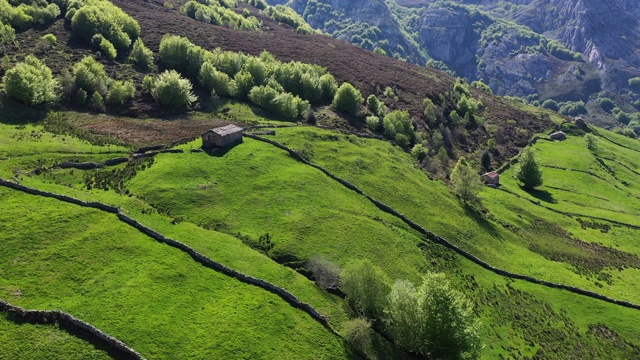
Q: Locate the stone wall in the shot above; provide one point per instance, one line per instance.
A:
(63, 319)
(439, 240)
(200, 258)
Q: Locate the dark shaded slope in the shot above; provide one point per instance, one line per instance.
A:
(368, 71)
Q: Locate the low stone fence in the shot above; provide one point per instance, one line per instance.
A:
(439, 240)
(200, 258)
(74, 324)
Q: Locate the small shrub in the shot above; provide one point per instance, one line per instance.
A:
(141, 56)
(81, 97)
(634, 82)
(120, 92)
(148, 83)
(172, 90)
(97, 101)
(366, 286)
(358, 333)
(465, 182)
(373, 122)
(551, 105)
(46, 43)
(419, 152)
(108, 50)
(91, 76)
(591, 141)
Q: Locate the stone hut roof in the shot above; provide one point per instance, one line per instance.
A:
(226, 130)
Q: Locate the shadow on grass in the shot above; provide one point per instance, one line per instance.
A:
(480, 219)
(222, 151)
(75, 332)
(13, 112)
(541, 195)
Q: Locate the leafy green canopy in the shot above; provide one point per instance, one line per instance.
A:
(173, 90)
(91, 17)
(528, 172)
(31, 82)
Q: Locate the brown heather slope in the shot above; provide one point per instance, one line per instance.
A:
(370, 72)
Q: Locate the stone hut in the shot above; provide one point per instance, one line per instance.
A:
(558, 135)
(491, 178)
(579, 121)
(222, 136)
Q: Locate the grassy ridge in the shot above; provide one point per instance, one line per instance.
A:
(158, 301)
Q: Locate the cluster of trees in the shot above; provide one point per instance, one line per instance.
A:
(287, 15)
(285, 89)
(24, 14)
(571, 108)
(103, 25)
(432, 319)
(32, 82)
(219, 12)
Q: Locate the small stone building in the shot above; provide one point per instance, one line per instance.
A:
(491, 178)
(579, 121)
(558, 135)
(222, 136)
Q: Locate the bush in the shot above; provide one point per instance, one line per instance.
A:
(121, 92)
(327, 274)
(591, 141)
(81, 97)
(551, 105)
(329, 87)
(141, 55)
(528, 172)
(434, 320)
(606, 104)
(373, 122)
(465, 181)
(468, 105)
(31, 82)
(173, 52)
(419, 152)
(7, 35)
(97, 101)
(429, 111)
(347, 99)
(373, 104)
(148, 83)
(358, 334)
(634, 82)
(214, 81)
(46, 43)
(623, 117)
(399, 122)
(91, 76)
(173, 90)
(108, 50)
(366, 287)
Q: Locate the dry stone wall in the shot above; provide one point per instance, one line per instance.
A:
(439, 240)
(69, 321)
(200, 258)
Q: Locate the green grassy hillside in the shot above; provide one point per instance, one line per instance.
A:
(214, 203)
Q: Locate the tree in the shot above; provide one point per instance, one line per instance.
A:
(465, 181)
(31, 82)
(373, 104)
(108, 50)
(7, 35)
(358, 333)
(433, 320)
(528, 172)
(592, 142)
(91, 76)
(366, 286)
(173, 90)
(347, 99)
(419, 152)
(120, 92)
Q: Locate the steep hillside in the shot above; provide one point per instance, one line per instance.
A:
(511, 45)
(338, 228)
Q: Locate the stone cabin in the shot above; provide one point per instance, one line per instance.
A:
(579, 121)
(222, 136)
(491, 178)
(558, 135)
